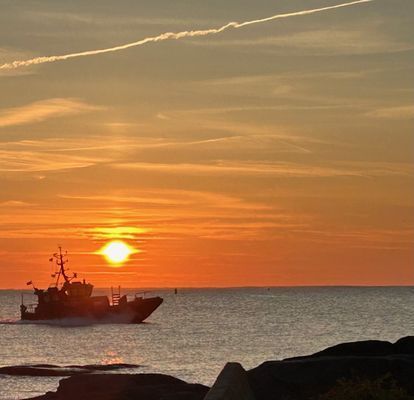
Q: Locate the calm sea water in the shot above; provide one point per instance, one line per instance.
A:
(193, 334)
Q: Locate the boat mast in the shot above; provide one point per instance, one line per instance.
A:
(60, 261)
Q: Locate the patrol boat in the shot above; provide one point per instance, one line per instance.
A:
(73, 299)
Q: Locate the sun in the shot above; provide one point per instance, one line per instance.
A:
(116, 252)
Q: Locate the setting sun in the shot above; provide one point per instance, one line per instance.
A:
(116, 252)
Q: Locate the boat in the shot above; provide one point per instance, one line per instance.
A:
(70, 298)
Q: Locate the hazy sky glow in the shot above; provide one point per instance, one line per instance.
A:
(276, 154)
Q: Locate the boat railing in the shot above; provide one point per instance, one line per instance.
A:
(141, 294)
(29, 306)
(116, 295)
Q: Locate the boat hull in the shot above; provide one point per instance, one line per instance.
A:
(133, 312)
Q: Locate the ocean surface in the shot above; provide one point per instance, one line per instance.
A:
(194, 333)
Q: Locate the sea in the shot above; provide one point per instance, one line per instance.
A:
(196, 331)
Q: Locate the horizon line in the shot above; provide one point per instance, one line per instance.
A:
(244, 287)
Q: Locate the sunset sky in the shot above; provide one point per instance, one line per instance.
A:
(277, 154)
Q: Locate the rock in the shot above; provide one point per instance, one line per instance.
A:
(105, 367)
(363, 348)
(310, 376)
(231, 384)
(125, 387)
(299, 378)
(27, 370)
(57, 370)
(404, 345)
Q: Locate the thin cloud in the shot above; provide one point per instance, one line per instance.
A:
(362, 238)
(15, 203)
(282, 107)
(40, 155)
(172, 198)
(397, 113)
(319, 42)
(120, 232)
(277, 169)
(26, 161)
(104, 21)
(226, 136)
(43, 110)
(265, 79)
(140, 215)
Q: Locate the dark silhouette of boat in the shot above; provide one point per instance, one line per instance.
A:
(73, 299)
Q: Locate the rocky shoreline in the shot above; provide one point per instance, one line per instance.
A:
(359, 370)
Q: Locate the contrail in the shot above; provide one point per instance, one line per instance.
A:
(171, 35)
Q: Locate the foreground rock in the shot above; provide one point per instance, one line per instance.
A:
(231, 384)
(124, 386)
(311, 376)
(56, 370)
(367, 370)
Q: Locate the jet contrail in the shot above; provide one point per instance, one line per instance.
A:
(171, 35)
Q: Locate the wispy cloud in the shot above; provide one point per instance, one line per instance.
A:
(150, 214)
(15, 203)
(117, 232)
(397, 113)
(172, 198)
(277, 169)
(43, 110)
(283, 76)
(380, 239)
(26, 161)
(319, 42)
(52, 154)
(330, 104)
(228, 152)
(103, 20)
(40, 155)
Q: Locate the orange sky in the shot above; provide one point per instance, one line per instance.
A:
(278, 154)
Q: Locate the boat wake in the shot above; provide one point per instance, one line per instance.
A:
(9, 321)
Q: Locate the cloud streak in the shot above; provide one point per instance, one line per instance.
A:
(277, 169)
(171, 36)
(42, 110)
(320, 42)
(395, 113)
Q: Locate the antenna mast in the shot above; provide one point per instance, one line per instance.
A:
(61, 260)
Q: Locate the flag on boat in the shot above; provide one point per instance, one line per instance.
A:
(29, 283)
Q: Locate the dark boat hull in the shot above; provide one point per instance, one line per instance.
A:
(133, 312)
